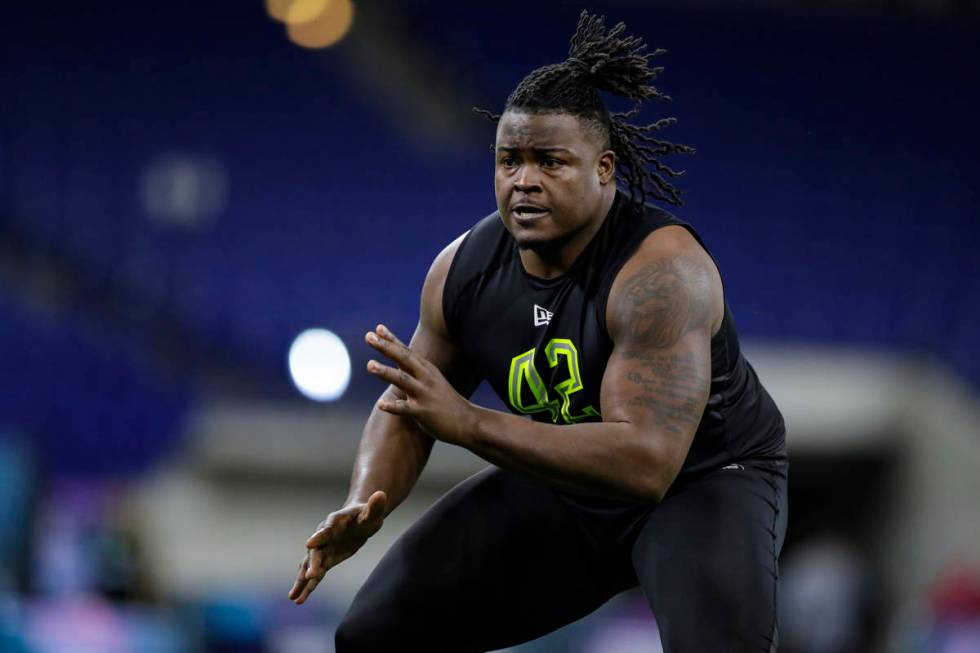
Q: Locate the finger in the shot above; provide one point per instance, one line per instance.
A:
(297, 589)
(316, 561)
(300, 581)
(403, 407)
(321, 536)
(374, 508)
(399, 378)
(397, 392)
(333, 559)
(388, 334)
(305, 594)
(393, 350)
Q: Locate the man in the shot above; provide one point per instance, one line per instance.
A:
(653, 455)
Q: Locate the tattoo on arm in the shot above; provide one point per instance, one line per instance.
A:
(672, 387)
(663, 301)
(656, 308)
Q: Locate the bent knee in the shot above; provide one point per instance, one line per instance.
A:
(352, 636)
(377, 629)
(355, 635)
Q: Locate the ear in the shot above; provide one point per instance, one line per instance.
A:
(606, 167)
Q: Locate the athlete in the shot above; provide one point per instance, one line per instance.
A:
(653, 456)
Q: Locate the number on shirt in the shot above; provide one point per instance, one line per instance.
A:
(523, 371)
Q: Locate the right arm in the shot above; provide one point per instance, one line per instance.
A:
(393, 449)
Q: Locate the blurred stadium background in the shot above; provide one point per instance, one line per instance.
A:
(186, 187)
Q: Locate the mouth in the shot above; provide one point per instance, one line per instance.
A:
(524, 212)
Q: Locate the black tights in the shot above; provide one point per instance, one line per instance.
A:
(503, 559)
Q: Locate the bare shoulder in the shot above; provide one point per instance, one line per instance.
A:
(435, 281)
(669, 287)
(439, 269)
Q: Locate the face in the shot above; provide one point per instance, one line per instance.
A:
(551, 176)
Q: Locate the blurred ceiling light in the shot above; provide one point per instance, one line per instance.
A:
(296, 12)
(181, 190)
(326, 28)
(319, 365)
(301, 12)
(277, 9)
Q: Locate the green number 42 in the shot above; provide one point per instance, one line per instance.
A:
(522, 370)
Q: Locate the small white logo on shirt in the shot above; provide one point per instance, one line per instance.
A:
(542, 315)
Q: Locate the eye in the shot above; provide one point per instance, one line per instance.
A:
(550, 163)
(507, 161)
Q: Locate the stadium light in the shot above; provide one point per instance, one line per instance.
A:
(322, 30)
(319, 365)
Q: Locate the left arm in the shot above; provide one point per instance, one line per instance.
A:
(662, 310)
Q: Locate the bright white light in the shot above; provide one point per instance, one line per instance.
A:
(319, 364)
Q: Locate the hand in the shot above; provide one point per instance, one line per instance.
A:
(426, 396)
(337, 538)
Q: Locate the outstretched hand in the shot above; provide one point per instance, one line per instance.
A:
(337, 538)
(426, 395)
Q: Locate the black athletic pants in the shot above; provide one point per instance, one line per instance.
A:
(502, 559)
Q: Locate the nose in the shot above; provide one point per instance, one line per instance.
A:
(527, 179)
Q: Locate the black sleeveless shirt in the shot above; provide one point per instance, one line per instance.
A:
(542, 344)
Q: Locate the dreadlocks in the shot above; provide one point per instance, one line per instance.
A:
(601, 60)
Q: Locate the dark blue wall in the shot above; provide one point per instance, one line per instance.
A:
(835, 178)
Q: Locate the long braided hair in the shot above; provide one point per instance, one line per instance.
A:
(601, 60)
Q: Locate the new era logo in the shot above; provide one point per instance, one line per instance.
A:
(542, 315)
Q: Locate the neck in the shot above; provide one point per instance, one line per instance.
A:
(553, 261)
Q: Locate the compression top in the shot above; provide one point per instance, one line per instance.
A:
(542, 344)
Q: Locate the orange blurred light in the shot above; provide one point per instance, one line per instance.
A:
(277, 9)
(301, 12)
(326, 28)
(296, 12)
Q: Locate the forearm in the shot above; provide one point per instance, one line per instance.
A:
(391, 456)
(609, 459)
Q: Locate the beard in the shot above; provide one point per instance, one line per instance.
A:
(539, 245)
(546, 246)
